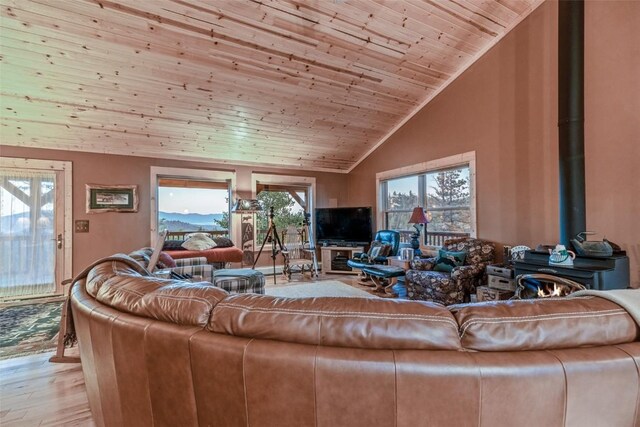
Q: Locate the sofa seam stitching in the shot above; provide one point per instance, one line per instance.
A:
(566, 385)
(335, 313)
(244, 380)
(179, 298)
(534, 318)
(542, 316)
(346, 315)
(633, 359)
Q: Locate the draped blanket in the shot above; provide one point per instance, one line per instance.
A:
(70, 337)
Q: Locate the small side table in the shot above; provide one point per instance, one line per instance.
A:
(398, 262)
(405, 264)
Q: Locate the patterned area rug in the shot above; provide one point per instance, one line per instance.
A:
(29, 329)
(324, 288)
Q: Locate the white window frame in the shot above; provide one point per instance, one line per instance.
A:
(186, 173)
(464, 159)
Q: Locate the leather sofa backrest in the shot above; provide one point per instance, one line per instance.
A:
(552, 323)
(362, 322)
(339, 322)
(126, 286)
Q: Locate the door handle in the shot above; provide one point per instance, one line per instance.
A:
(59, 241)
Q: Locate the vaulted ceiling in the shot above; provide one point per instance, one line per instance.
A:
(315, 84)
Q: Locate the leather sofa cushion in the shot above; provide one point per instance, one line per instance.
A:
(102, 272)
(120, 283)
(125, 292)
(543, 324)
(183, 303)
(341, 322)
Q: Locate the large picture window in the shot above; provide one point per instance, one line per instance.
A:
(189, 205)
(401, 196)
(443, 187)
(448, 200)
(192, 200)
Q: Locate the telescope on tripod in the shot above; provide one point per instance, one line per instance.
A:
(271, 236)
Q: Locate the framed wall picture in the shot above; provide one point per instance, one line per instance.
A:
(112, 198)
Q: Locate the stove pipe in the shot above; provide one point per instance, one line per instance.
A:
(571, 118)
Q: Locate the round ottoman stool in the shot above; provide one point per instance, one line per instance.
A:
(239, 280)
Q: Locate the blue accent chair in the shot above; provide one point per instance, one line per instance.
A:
(362, 260)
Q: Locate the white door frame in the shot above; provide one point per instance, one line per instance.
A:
(64, 193)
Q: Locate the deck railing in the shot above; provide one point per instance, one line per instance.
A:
(434, 238)
(181, 235)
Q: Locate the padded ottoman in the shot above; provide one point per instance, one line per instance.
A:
(239, 280)
(384, 276)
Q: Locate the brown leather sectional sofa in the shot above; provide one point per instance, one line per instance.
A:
(170, 353)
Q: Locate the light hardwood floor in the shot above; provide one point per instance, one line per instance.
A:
(34, 392)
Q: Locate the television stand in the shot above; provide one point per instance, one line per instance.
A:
(334, 255)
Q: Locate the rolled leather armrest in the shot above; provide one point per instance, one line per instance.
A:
(423, 264)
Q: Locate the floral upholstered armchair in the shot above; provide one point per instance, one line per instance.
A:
(425, 283)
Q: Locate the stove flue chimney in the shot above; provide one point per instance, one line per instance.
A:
(571, 118)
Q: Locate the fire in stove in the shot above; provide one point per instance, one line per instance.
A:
(544, 286)
(545, 290)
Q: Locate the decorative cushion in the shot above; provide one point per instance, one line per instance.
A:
(378, 249)
(386, 250)
(447, 260)
(374, 249)
(223, 242)
(165, 261)
(173, 245)
(198, 242)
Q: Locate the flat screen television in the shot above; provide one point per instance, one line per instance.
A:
(344, 226)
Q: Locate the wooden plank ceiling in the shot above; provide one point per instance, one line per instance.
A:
(312, 84)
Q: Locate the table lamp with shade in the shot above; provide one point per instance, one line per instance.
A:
(418, 218)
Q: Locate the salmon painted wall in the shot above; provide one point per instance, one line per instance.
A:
(112, 232)
(504, 108)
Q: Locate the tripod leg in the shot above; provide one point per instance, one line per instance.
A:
(273, 257)
(266, 237)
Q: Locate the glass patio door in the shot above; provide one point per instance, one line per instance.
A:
(31, 236)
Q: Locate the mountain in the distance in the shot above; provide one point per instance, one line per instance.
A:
(191, 218)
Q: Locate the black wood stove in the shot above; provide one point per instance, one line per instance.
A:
(600, 273)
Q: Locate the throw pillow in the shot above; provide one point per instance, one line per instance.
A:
(386, 250)
(375, 252)
(374, 249)
(198, 242)
(223, 242)
(198, 235)
(173, 245)
(166, 261)
(447, 260)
